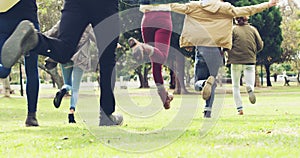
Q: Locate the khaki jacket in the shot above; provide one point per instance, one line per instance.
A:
(246, 44)
(209, 22)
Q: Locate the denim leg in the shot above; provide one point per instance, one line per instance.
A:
(4, 34)
(77, 75)
(201, 71)
(107, 35)
(67, 70)
(236, 71)
(32, 79)
(214, 60)
(107, 79)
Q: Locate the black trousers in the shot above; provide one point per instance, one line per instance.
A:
(76, 15)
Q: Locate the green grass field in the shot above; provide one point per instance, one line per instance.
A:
(269, 128)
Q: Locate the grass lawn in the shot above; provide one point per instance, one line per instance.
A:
(269, 128)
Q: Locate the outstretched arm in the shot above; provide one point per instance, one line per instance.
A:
(227, 8)
(185, 8)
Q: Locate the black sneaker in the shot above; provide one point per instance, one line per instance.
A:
(71, 118)
(23, 39)
(58, 97)
(110, 120)
(207, 114)
(31, 120)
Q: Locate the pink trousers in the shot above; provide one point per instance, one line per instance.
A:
(157, 31)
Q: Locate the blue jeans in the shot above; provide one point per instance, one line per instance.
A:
(207, 63)
(31, 64)
(72, 77)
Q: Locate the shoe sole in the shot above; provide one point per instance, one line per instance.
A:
(207, 114)
(207, 87)
(252, 97)
(105, 121)
(137, 50)
(13, 48)
(167, 104)
(58, 98)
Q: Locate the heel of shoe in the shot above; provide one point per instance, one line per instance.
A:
(71, 118)
(31, 120)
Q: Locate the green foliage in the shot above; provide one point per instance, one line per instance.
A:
(49, 13)
(268, 24)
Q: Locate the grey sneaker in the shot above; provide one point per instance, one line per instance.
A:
(207, 114)
(139, 50)
(31, 120)
(111, 120)
(23, 39)
(252, 97)
(207, 87)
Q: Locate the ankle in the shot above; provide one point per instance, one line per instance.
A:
(72, 110)
(33, 114)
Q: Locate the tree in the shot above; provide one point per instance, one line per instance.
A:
(49, 13)
(296, 55)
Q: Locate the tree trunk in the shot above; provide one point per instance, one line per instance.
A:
(142, 72)
(138, 71)
(171, 65)
(188, 75)
(298, 78)
(257, 81)
(172, 83)
(6, 87)
(179, 67)
(57, 78)
(268, 75)
(146, 71)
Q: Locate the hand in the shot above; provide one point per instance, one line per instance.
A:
(273, 3)
(119, 46)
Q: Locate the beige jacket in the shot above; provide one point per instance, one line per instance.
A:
(209, 22)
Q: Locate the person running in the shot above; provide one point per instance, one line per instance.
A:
(76, 16)
(156, 30)
(208, 27)
(9, 20)
(246, 43)
(73, 70)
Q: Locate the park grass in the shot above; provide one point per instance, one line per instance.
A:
(269, 128)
